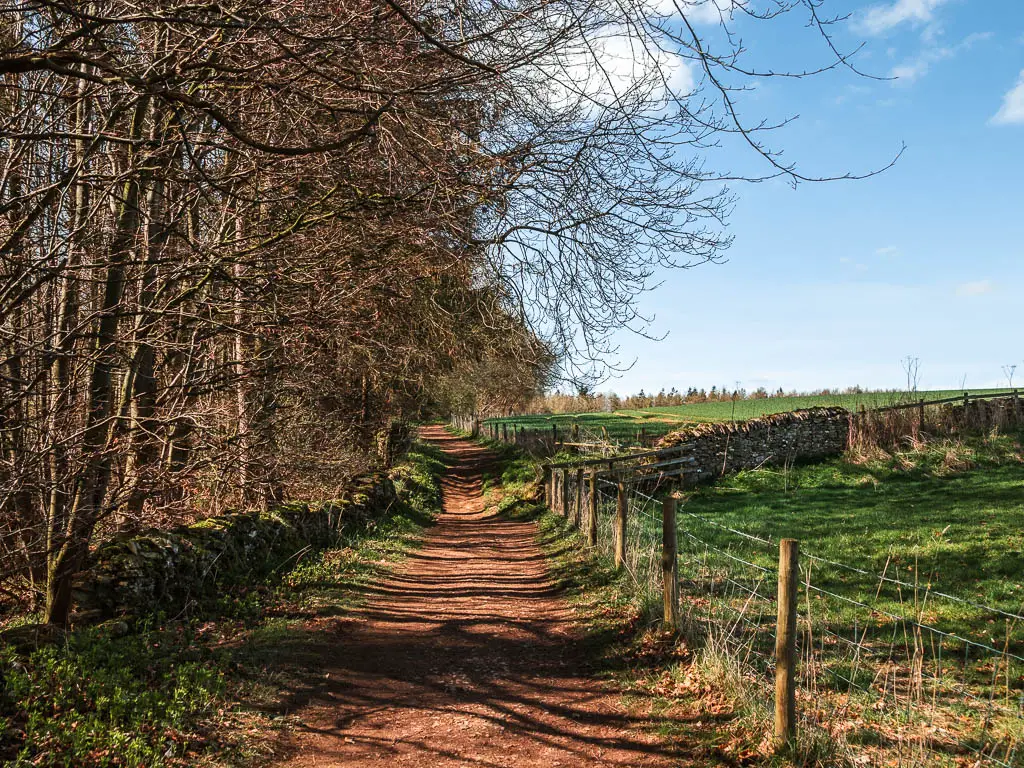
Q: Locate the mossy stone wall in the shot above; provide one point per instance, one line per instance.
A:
(783, 438)
(167, 570)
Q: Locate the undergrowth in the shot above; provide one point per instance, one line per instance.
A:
(951, 508)
(711, 723)
(206, 690)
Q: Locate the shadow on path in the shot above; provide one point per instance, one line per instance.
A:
(468, 656)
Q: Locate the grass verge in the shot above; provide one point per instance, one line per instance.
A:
(714, 718)
(946, 515)
(213, 690)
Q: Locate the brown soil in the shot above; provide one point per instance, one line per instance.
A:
(469, 656)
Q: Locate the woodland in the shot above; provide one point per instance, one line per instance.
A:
(240, 240)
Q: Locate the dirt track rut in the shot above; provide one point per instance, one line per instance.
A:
(468, 656)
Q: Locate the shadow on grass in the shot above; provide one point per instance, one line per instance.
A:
(616, 640)
(170, 690)
(416, 652)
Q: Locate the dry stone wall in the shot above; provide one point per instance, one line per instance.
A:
(983, 415)
(784, 438)
(892, 428)
(168, 570)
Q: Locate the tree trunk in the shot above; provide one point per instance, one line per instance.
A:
(71, 530)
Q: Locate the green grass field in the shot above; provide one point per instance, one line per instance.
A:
(626, 424)
(948, 519)
(909, 598)
(912, 585)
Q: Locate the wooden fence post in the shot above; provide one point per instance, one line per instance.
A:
(575, 431)
(785, 642)
(621, 510)
(557, 490)
(592, 519)
(566, 491)
(669, 563)
(563, 491)
(577, 511)
(547, 486)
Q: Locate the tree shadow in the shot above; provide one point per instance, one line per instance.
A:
(469, 654)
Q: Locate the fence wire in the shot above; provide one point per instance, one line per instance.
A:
(902, 673)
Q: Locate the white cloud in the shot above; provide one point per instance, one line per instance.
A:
(882, 18)
(976, 288)
(697, 11)
(617, 63)
(1012, 111)
(709, 11)
(918, 67)
(912, 70)
(625, 60)
(888, 250)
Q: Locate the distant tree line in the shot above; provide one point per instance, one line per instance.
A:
(585, 402)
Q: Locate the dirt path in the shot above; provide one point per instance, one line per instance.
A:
(468, 657)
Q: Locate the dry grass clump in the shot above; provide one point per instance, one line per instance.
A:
(938, 456)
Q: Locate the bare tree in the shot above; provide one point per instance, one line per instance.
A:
(912, 368)
(237, 239)
(1008, 371)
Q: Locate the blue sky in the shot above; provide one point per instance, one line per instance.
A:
(833, 284)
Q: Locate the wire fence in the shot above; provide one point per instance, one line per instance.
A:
(901, 672)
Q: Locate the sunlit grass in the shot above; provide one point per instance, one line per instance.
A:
(657, 421)
(956, 531)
